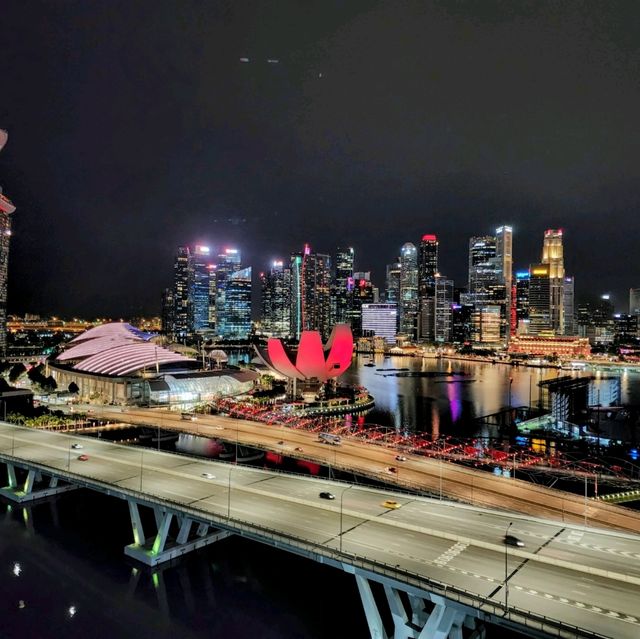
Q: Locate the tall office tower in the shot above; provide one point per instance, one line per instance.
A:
(341, 293)
(427, 270)
(235, 322)
(552, 255)
(362, 293)
(6, 209)
(461, 323)
(182, 278)
(212, 297)
(314, 294)
(380, 320)
(168, 312)
(427, 264)
(568, 312)
(504, 254)
(443, 298)
(484, 271)
(392, 283)
(487, 324)
(295, 294)
(276, 300)
(504, 263)
(229, 261)
(634, 301)
(199, 257)
(408, 289)
(521, 302)
(539, 299)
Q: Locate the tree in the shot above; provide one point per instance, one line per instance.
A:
(16, 371)
(73, 388)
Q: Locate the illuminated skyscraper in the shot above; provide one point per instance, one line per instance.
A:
(427, 265)
(484, 271)
(634, 301)
(392, 284)
(552, 255)
(361, 293)
(6, 209)
(443, 301)
(235, 321)
(408, 289)
(427, 270)
(522, 301)
(296, 294)
(199, 257)
(310, 292)
(229, 261)
(182, 278)
(539, 299)
(568, 311)
(343, 285)
(276, 300)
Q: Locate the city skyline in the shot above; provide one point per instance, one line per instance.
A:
(369, 127)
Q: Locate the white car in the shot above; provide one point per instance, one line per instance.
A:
(208, 476)
(77, 446)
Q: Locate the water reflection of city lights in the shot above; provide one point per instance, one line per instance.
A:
(17, 569)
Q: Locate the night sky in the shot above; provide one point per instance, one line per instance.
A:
(134, 128)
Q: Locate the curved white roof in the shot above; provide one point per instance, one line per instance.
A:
(129, 358)
(113, 330)
(90, 347)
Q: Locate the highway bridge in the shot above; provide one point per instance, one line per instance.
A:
(417, 474)
(441, 565)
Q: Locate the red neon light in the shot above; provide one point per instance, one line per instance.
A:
(429, 238)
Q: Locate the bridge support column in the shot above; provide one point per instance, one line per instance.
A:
(35, 486)
(413, 621)
(153, 551)
(376, 628)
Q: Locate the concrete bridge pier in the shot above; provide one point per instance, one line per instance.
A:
(414, 616)
(35, 486)
(162, 547)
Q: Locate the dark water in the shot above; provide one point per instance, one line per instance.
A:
(448, 403)
(69, 553)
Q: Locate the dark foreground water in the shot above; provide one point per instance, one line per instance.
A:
(63, 573)
(455, 392)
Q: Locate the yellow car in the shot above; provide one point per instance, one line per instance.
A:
(390, 504)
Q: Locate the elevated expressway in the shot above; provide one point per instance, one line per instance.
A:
(568, 580)
(420, 474)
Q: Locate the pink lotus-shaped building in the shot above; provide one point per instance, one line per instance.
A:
(312, 361)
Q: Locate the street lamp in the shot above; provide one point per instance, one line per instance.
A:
(506, 569)
(341, 496)
(229, 494)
